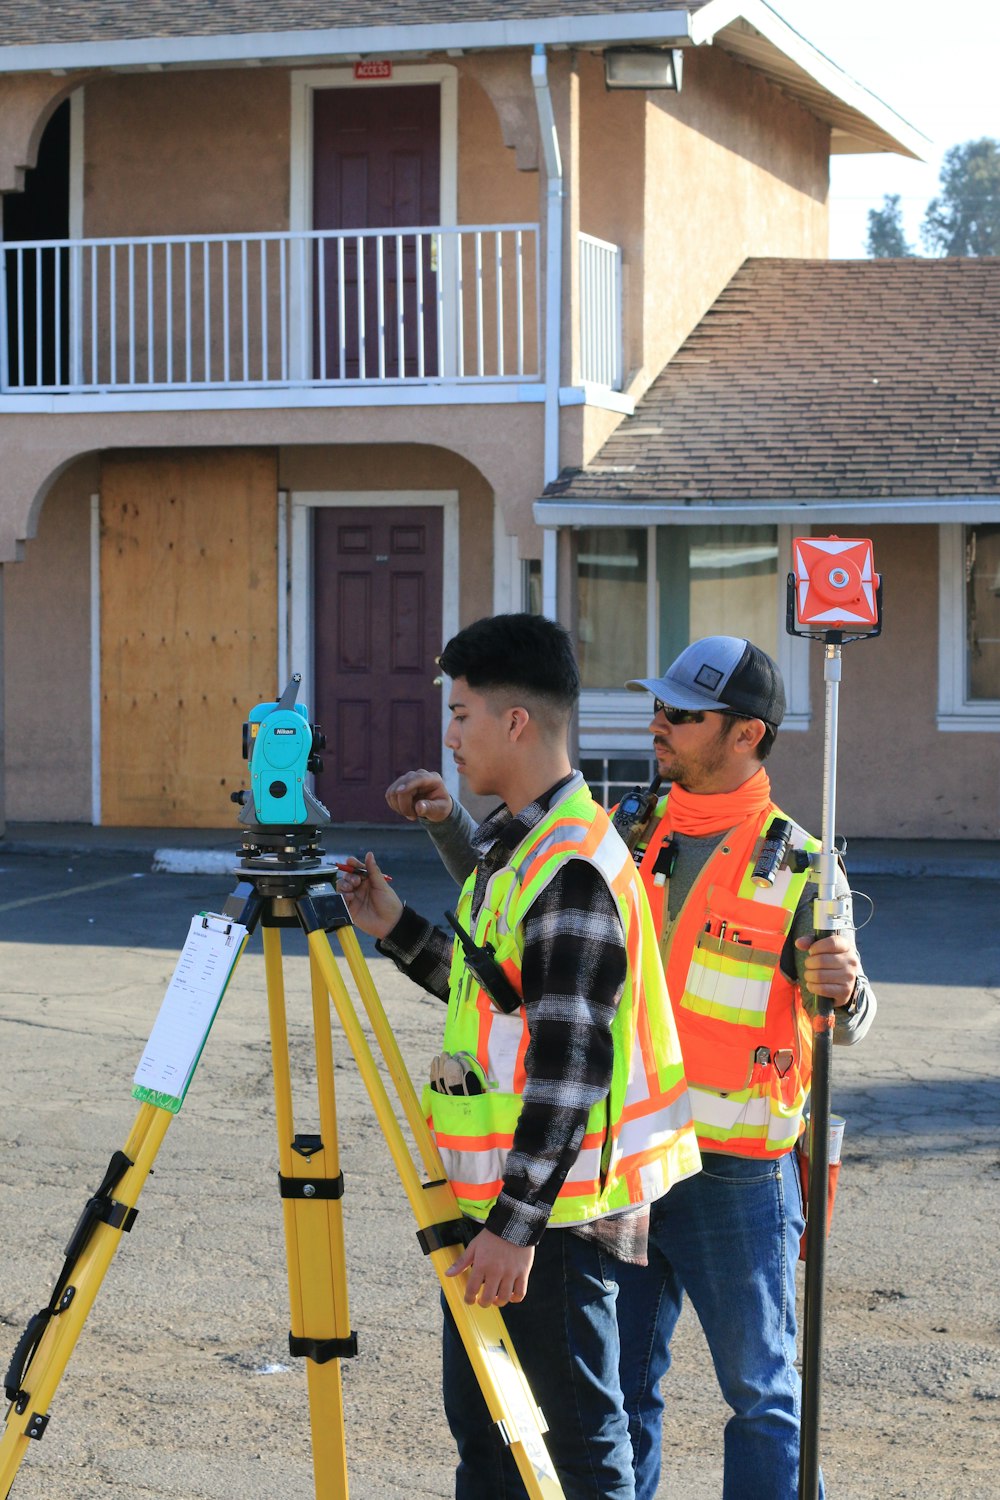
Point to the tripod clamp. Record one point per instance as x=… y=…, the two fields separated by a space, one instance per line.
x=448 y=1232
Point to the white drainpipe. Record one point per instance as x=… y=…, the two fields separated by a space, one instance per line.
x=553 y=308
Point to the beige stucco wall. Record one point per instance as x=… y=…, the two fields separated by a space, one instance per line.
x=611 y=197
x=410 y=467
x=186 y=153
x=733 y=168
x=47 y=660
x=503 y=442
x=199 y=152
x=688 y=185
x=900 y=777
x=47 y=595
x=491 y=189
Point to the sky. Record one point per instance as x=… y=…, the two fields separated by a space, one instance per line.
x=936 y=63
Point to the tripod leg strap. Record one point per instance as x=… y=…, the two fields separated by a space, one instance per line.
x=451 y=1232
x=21 y=1358
x=100 y=1209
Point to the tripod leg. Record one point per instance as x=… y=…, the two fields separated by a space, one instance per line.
x=28 y=1414
x=389 y=1047
x=441 y=1227
x=311 y=1188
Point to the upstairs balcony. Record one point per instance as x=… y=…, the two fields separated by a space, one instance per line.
x=317 y=318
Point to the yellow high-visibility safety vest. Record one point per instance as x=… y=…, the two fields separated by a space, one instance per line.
x=639 y=1139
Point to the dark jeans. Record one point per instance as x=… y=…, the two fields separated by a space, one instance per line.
x=729 y=1238
x=565 y=1333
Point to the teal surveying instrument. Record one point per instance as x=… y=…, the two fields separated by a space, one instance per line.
x=282 y=748
x=834 y=596
x=282 y=882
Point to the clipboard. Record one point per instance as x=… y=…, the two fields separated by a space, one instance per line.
x=190 y=1005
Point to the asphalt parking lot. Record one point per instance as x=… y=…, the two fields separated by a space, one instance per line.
x=181 y=1385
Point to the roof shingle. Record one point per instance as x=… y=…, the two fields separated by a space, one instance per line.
x=31 y=22
x=820 y=379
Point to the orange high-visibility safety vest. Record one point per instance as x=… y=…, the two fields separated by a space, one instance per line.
x=745 y=1034
x=639 y=1139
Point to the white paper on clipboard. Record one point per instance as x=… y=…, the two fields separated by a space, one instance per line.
x=189 y=1007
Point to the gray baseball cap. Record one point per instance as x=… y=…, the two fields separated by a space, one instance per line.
x=721 y=672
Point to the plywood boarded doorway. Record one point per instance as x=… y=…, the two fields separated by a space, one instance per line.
x=189 y=618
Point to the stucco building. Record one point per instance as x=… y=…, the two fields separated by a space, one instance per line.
x=303 y=317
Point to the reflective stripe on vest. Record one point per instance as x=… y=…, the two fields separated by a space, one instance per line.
x=639 y=1139
x=744 y=1032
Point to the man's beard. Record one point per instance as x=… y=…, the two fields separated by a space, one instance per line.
x=691 y=772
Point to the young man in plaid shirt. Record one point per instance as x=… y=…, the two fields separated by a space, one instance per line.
x=591 y=1127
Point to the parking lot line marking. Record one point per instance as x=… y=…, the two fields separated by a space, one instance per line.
x=72 y=890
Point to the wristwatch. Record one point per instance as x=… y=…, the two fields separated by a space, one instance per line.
x=857 y=995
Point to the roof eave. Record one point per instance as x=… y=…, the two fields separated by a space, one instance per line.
x=347 y=41
x=897 y=510
x=861 y=121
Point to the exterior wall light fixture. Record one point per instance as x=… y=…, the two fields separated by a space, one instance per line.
x=643 y=68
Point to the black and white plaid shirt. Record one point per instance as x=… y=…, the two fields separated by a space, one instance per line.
x=573 y=972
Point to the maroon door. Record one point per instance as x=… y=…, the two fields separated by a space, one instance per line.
x=376 y=165
x=377 y=592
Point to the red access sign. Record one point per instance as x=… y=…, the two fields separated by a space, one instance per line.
x=372 y=68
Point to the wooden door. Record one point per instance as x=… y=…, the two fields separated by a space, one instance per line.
x=376 y=165
x=189 y=618
x=377 y=587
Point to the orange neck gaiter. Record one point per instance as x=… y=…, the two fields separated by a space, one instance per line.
x=715 y=812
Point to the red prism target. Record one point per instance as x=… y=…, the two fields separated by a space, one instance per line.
x=836 y=586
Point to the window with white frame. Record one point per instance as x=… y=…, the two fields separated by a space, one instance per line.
x=611 y=776
x=612 y=584
x=644 y=593
x=969 y=649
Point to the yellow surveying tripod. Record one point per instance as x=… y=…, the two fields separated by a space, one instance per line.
x=287 y=886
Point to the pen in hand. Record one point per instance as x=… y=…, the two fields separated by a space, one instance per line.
x=361 y=872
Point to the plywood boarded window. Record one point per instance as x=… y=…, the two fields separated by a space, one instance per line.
x=188 y=630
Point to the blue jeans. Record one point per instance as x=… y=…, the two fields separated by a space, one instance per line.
x=566 y=1336
x=729 y=1238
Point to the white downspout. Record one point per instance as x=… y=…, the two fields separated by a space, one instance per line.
x=553 y=308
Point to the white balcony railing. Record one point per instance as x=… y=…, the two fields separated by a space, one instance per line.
x=600 y=312
x=242 y=311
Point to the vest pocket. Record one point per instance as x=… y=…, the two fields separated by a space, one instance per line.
x=473 y=1134
x=735 y=957
x=717 y=1059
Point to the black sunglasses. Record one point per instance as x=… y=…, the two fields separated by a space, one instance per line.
x=687 y=715
x=677 y=715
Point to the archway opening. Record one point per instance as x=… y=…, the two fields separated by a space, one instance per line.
x=38 y=278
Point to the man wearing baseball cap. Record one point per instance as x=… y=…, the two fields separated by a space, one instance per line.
x=743 y=968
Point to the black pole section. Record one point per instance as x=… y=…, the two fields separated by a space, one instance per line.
x=828 y=918
x=816 y=1228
